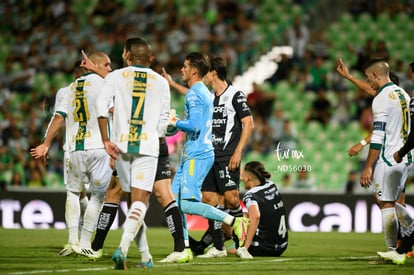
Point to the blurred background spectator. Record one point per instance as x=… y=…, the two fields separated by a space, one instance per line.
x=41 y=39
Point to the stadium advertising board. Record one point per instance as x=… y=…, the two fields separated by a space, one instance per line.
x=306 y=212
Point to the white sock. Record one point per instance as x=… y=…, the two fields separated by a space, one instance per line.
x=142 y=243
x=83 y=204
x=135 y=218
x=91 y=218
x=72 y=214
x=404 y=218
x=390 y=227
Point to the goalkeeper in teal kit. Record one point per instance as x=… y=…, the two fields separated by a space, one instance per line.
x=198 y=155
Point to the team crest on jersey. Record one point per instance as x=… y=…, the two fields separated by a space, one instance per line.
x=392 y=95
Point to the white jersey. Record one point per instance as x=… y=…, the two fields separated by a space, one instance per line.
x=141 y=99
x=391 y=122
x=78 y=108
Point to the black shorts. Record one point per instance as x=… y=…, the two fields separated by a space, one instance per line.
x=219 y=179
x=163 y=167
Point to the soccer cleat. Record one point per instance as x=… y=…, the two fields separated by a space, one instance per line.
x=148 y=264
x=243 y=253
x=189 y=253
x=66 y=251
x=196 y=246
x=240 y=229
x=394 y=256
x=88 y=252
x=178 y=257
x=214 y=253
x=410 y=254
x=120 y=259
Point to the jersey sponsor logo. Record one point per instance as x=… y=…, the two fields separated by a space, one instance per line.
x=219 y=121
x=130 y=74
x=81 y=135
x=221 y=110
x=217 y=140
x=133 y=135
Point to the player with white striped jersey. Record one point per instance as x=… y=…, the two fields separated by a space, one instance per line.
x=88 y=162
x=83 y=199
x=391 y=122
x=391 y=128
x=140 y=117
x=141 y=107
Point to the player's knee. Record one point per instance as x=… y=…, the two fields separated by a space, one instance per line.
x=232 y=199
x=210 y=198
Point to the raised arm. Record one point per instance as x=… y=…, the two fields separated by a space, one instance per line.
x=180 y=88
x=342 y=69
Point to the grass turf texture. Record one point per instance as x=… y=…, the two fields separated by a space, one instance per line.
x=35 y=252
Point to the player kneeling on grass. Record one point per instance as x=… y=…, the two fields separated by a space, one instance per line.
x=267 y=233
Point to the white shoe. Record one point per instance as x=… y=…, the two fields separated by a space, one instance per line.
x=243 y=253
x=394 y=256
x=88 y=252
x=177 y=257
x=214 y=253
x=66 y=251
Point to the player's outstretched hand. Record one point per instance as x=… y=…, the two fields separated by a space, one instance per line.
x=354 y=150
x=39 y=151
x=112 y=150
x=397 y=157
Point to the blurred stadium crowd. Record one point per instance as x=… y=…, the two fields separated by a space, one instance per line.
x=303 y=106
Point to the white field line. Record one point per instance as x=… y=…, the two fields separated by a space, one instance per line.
x=214 y=262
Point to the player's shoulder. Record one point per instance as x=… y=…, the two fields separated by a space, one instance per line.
x=65 y=89
x=234 y=91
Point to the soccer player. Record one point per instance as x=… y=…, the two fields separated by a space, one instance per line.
x=403 y=216
x=141 y=100
x=162 y=191
x=391 y=120
x=198 y=155
x=88 y=161
x=232 y=126
x=83 y=199
x=267 y=233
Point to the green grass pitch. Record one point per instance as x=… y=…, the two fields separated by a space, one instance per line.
x=35 y=252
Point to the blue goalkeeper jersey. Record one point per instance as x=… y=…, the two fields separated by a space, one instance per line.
x=198 y=114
